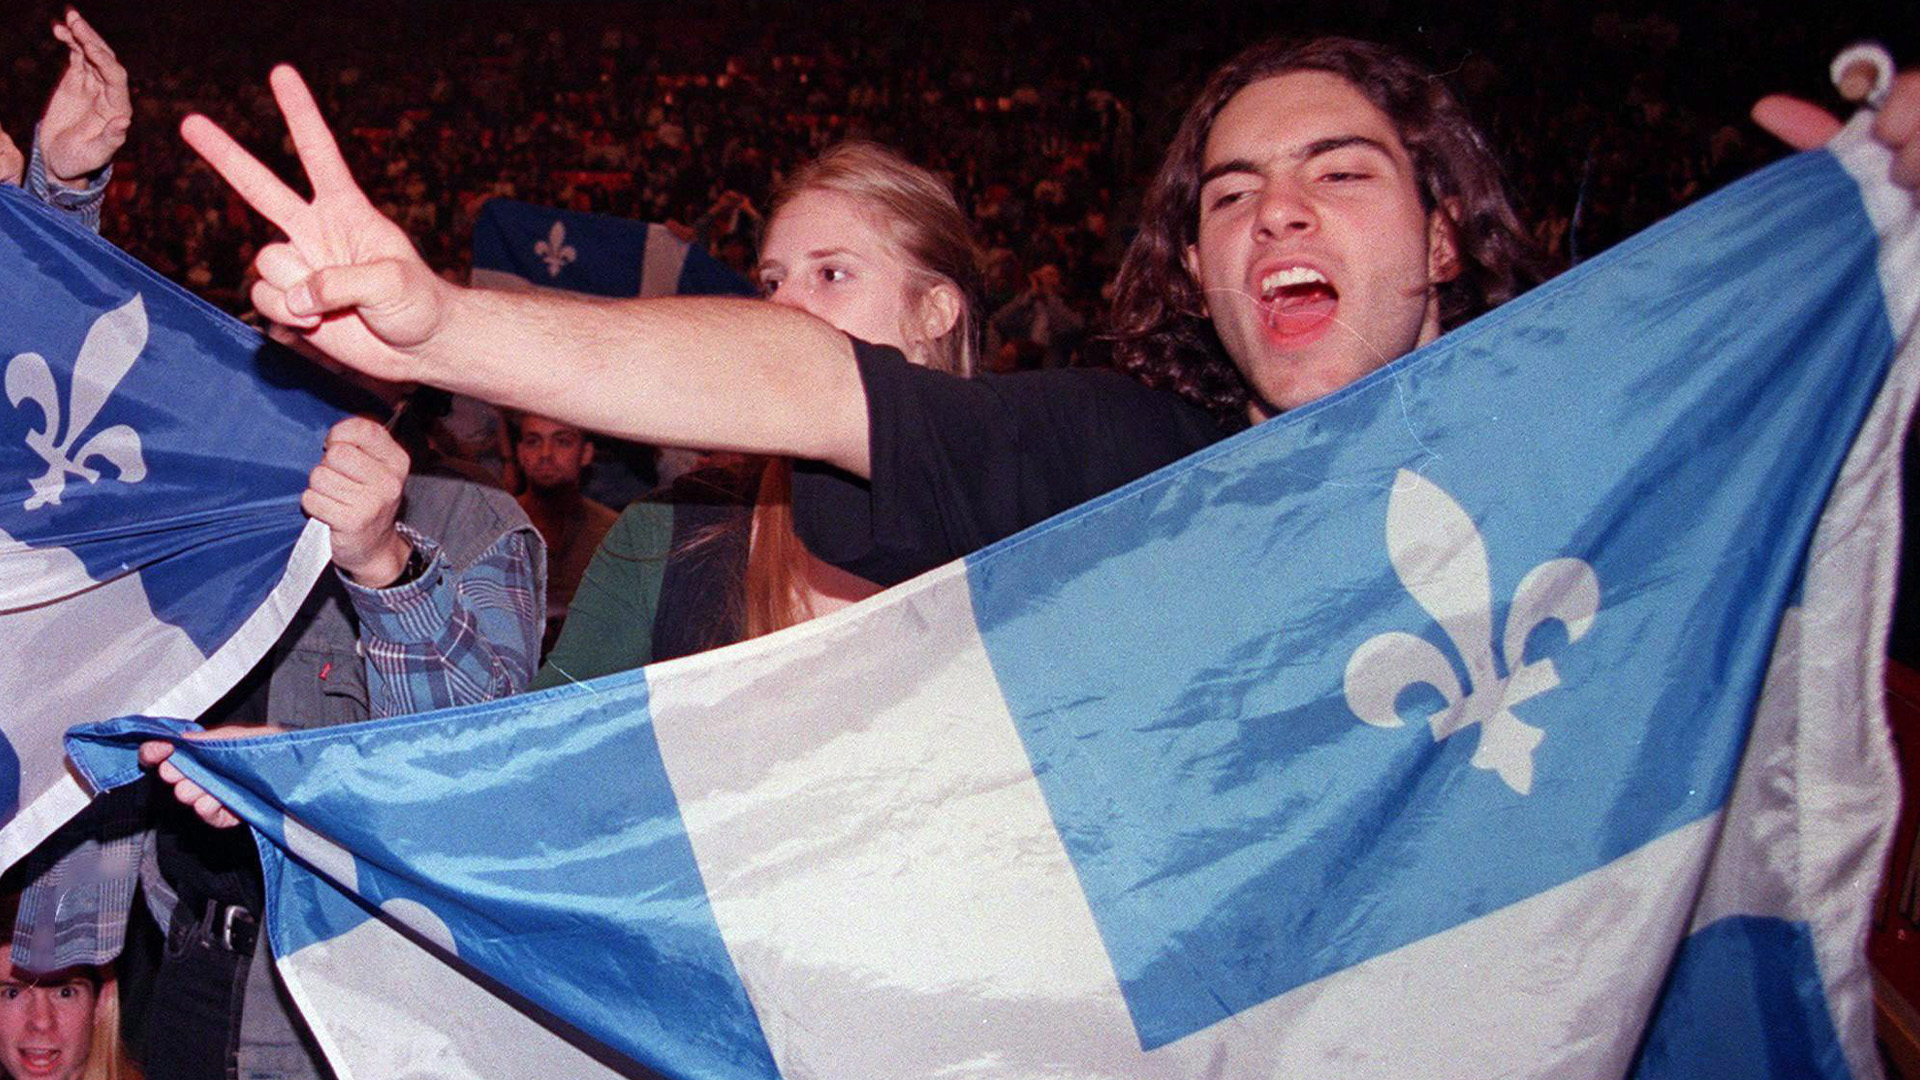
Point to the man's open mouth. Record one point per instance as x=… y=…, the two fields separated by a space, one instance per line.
x=1297 y=299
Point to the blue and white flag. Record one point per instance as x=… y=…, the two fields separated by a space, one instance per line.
x=1512 y=712
x=520 y=246
x=151 y=463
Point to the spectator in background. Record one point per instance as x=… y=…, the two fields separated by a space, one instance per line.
x=1042 y=317
x=58 y=1025
x=552 y=457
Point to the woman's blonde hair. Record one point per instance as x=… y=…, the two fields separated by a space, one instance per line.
x=917 y=209
x=107 y=1060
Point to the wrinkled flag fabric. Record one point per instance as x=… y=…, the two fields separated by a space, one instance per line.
x=1513 y=711
x=520 y=245
x=152 y=456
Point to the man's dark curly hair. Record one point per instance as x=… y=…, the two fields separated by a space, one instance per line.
x=1159 y=331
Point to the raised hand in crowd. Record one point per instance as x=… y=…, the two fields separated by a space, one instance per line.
x=342 y=258
x=13 y=164
x=1803 y=125
x=701 y=372
x=87 y=118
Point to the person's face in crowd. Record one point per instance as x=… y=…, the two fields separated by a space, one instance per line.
x=1317 y=260
x=46 y=1021
x=826 y=256
x=552 y=454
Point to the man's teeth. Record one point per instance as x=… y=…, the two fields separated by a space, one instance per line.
x=1292 y=275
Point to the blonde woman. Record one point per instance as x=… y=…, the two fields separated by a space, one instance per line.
x=876 y=247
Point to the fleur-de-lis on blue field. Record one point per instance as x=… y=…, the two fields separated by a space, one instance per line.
x=1440 y=557
x=555 y=250
x=113 y=343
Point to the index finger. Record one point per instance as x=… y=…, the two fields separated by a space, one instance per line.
x=100 y=56
x=319 y=154
x=255 y=182
x=91 y=43
x=1800 y=124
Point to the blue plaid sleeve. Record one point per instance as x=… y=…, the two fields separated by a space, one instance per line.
x=83 y=203
x=451 y=637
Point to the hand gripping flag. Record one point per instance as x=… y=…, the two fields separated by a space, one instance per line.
x=1513 y=711
x=151 y=463
x=519 y=246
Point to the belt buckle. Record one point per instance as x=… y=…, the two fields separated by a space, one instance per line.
x=229 y=914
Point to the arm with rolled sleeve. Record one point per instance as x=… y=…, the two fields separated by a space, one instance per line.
x=452 y=637
x=82 y=202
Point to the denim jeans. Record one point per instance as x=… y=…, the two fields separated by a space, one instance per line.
x=193 y=1016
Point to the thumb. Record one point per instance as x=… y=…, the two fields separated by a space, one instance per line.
x=1800 y=124
x=399 y=301
x=379 y=284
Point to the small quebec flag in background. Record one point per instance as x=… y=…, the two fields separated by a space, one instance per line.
x=518 y=245
x=1512 y=712
x=152 y=458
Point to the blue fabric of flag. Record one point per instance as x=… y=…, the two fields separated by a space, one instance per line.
x=200 y=522
x=1648 y=428
x=1451 y=644
x=153 y=452
x=634 y=963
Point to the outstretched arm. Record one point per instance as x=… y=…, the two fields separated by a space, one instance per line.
x=702 y=372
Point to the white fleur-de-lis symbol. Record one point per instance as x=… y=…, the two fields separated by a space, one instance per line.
x=555 y=250
x=1442 y=560
x=113 y=343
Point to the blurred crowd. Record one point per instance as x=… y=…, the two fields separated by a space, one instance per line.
x=1044 y=117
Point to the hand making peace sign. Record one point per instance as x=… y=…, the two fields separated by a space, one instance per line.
x=346 y=277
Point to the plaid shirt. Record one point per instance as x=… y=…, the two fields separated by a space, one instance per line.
x=441 y=639
x=82 y=202
x=444 y=639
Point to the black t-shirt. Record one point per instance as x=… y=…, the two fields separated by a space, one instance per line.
x=960 y=463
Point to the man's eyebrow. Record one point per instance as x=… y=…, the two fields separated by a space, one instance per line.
x=1234 y=165
x=1339 y=142
x=1306 y=153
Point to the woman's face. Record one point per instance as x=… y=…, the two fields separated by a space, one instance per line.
x=830 y=260
x=46 y=1021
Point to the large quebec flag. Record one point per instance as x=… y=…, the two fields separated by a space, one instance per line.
x=151 y=540
x=519 y=246
x=1512 y=712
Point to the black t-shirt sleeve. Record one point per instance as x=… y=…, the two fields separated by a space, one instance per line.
x=960 y=463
